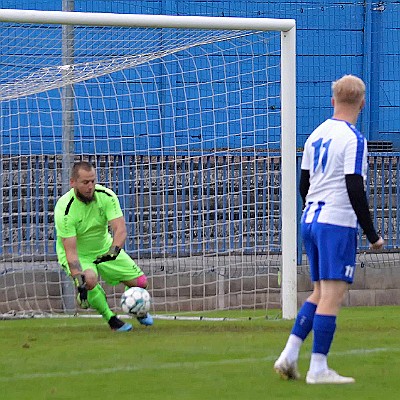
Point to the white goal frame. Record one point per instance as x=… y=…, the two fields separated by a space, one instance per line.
x=287 y=27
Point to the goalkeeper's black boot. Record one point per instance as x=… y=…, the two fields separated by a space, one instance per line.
x=117 y=325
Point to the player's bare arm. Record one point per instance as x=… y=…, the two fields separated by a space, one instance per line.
x=118 y=229
x=72 y=255
x=75 y=268
x=86 y=278
x=119 y=234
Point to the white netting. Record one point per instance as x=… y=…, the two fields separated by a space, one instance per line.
x=183 y=124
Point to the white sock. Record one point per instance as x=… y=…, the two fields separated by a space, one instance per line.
x=292 y=348
x=318 y=363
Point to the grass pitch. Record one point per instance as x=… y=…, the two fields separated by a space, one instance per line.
x=182 y=360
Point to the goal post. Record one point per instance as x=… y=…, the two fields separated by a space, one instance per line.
x=146 y=21
x=289 y=181
x=190 y=119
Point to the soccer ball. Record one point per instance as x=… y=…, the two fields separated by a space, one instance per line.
x=136 y=301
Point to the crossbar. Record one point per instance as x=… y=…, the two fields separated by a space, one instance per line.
x=145 y=21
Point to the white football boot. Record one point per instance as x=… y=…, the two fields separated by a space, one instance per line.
x=287 y=370
x=327 y=376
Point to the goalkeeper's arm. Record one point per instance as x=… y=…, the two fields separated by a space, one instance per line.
x=118 y=228
x=75 y=269
x=87 y=278
x=119 y=233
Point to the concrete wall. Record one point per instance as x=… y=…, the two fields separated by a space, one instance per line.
x=372 y=286
x=38 y=288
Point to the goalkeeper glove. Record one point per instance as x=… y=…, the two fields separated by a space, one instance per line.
x=80 y=284
x=111 y=255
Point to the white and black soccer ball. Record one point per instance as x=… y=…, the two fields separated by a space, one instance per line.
x=136 y=301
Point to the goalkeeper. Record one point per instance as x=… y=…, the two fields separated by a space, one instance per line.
x=86 y=249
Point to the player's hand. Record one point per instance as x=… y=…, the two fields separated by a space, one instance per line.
x=111 y=255
x=80 y=283
x=378 y=244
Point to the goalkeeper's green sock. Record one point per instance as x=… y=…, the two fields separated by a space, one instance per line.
x=97 y=300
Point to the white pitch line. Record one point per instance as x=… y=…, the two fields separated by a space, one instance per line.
x=183 y=365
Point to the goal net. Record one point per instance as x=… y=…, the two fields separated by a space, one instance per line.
x=190 y=120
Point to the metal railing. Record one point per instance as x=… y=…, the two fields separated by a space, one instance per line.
x=178 y=206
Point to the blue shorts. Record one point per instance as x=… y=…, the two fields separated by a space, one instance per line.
x=331 y=251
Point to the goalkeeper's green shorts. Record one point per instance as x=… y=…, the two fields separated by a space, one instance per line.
x=122 y=269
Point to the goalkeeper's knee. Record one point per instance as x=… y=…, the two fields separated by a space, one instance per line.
x=141 y=281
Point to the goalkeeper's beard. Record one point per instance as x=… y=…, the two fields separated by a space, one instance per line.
x=83 y=198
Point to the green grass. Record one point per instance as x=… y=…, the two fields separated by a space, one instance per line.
x=82 y=359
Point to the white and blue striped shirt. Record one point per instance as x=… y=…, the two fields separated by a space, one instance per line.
x=335 y=149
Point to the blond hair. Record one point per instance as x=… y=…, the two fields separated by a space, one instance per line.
x=348 y=89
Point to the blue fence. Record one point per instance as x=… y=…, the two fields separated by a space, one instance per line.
x=333 y=38
x=178 y=206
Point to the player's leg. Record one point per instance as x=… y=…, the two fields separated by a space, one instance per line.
x=332 y=292
x=337 y=252
x=286 y=364
x=91 y=294
x=124 y=270
x=140 y=281
x=98 y=300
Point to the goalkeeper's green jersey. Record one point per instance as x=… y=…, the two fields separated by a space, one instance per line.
x=87 y=221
